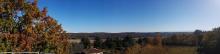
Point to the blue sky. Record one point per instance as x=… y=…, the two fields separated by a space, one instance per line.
x=134 y=15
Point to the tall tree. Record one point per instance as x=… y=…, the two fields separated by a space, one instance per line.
x=140 y=41
x=25 y=27
x=144 y=41
x=118 y=41
x=109 y=43
x=86 y=42
x=128 y=41
x=199 y=35
x=211 y=42
x=98 y=42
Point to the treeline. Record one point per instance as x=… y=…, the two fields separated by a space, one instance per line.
x=180 y=40
x=209 y=42
x=175 y=39
x=109 y=43
x=121 y=45
x=205 y=41
x=125 y=34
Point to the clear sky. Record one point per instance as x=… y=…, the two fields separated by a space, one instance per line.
x=134 y=15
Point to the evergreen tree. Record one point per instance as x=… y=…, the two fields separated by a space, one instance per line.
x=210 y=43
x=97 y=42
x=109 y=43
x=86 y=42
x=140 y=41
x=118 y=42
x=143 y=41
x=128 y=41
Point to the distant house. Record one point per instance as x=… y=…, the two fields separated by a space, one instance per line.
x=93 y=51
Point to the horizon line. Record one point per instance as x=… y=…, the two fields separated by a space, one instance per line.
x=124 y=32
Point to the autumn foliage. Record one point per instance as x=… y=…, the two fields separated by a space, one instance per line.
x=24 y=27
x=152 y=46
